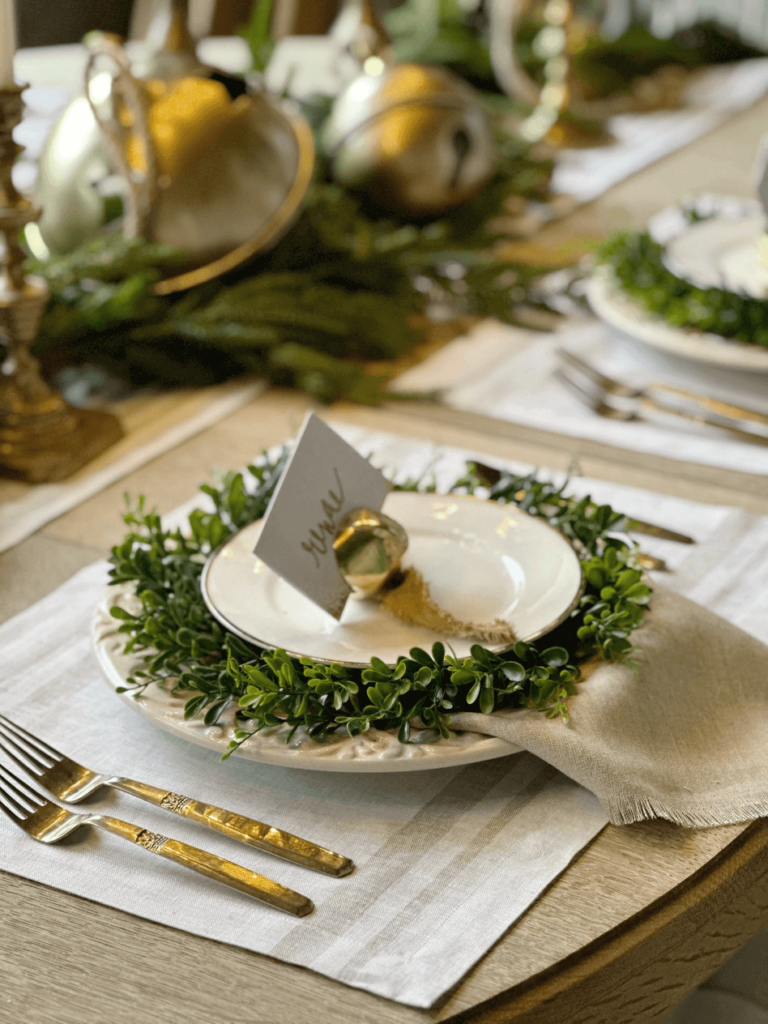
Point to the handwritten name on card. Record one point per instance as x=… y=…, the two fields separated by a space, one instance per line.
x=325 y=478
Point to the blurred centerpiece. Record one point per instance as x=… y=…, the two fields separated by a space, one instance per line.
x=208 y=164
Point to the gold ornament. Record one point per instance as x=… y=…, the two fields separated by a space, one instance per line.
x=413 y=137
x=369 y=547
x=209 y=165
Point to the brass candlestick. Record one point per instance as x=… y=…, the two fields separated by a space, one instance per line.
x=42 y=438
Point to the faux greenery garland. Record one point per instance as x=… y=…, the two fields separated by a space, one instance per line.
x=636 y=261
x=184 y=648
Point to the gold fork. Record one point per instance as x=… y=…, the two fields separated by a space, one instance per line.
x=614 y=387
x=48 y=823
x=71 y=782
x=601 y=401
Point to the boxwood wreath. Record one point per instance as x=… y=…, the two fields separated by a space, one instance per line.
x=636 y=262
x=184 y=649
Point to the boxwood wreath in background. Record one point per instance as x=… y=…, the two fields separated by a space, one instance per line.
x=185 y=649
x=636 y=262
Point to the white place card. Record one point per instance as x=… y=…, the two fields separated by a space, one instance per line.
x=325 y=478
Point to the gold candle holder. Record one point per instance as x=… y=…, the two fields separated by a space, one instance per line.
x=42 y=437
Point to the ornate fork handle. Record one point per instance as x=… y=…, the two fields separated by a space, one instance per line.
x=224 y=871
x=245 y=830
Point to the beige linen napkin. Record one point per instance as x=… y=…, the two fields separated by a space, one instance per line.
x=685 y=738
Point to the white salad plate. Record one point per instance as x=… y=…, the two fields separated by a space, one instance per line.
x=722 y=252
x=482 y=560
x=612 y=304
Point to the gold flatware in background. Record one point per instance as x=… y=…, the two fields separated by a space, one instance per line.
x=646 y=561
x=69 y=781
x=614 y=387
x=493 y=475
x=629 y=410
x=48 y=823
x=650 y=530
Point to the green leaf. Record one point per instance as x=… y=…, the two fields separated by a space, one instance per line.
x=555 y=656
x=421 y=657
x=120 y=613
x=628 y=579
x=514 y=671
x=639 y=593
x=463 y=676
x=424 y=676
x=193 y=705
x=257 y=678
x=487 y=696
x=596 y=577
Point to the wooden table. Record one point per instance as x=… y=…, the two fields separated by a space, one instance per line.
x=646 y=912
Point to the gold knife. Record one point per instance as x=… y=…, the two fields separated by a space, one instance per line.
x=493 y=475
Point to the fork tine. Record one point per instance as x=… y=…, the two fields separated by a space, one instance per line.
x=9 y=805
x=26 y=761
x=18 y=793
x=574 y=360
x=581 y=391
x=588 y=370
x=33 y=741
x=22 y=788
x=11 y=808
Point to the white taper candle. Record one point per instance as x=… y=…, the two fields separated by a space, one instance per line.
x=7 y=42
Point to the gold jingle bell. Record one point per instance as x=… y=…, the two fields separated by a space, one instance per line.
x=413 y=137
x=209 y=165
x=368 y=549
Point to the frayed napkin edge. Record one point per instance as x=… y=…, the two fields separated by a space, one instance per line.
x=629 y=808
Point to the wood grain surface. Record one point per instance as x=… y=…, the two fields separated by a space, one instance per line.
x=643 y=915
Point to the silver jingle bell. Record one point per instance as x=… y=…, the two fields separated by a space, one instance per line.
x=413 y=137
x=368 y=549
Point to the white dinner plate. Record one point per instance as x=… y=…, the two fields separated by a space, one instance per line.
x=483 y=561
x=507 y=563
x=615 y=307
x=377 y=750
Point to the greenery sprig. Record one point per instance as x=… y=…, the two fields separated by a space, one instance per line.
x=637 y=264
x=185 y=649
